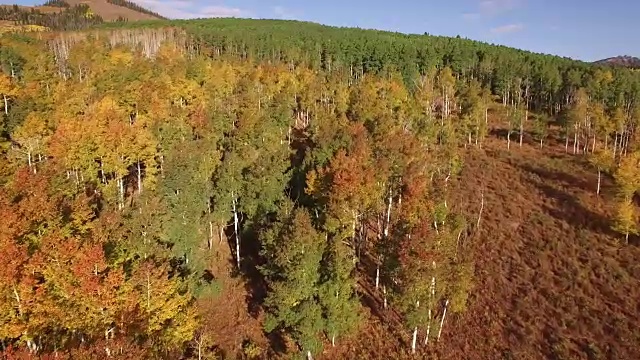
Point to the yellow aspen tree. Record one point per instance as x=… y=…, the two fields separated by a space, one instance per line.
x=628 y=180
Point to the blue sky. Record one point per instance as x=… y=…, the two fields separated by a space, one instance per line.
x=582 y=29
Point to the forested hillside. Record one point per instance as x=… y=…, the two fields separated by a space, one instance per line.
x=264 y=189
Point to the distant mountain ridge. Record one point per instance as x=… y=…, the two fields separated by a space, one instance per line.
x=625 y=61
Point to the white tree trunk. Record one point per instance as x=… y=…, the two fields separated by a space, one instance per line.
x=17 y=296
x=386 y=226
x=477 y=133
x=353 y=227
x=446 y=106
x=236 y=226
x=30 y=162
x=210 y=240
x=415 y=339
x=521 y=131
x=426 y=338
x=139 y=178
x=442 y=321
x=309 y=357
x=121 y=190
x=432 y=296
x=354 y=237
x=377 y=276
x=599 y=181
x=481 y=208
x=384 y=295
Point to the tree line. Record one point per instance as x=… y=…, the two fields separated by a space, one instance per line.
x=68 y=18
x=136 y=7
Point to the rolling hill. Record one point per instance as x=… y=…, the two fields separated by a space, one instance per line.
x=108 y=10
x=111 y=10
x=624 y=61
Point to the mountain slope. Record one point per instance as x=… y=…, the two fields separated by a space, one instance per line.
x=625 y=61
x=108 y=10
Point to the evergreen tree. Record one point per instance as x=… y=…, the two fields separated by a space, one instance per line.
x=294 y=252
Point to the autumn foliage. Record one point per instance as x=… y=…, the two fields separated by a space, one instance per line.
x=138 y=175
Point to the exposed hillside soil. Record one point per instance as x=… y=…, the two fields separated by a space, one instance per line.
x=108 y=11
x=111 y=12
x=552 y=280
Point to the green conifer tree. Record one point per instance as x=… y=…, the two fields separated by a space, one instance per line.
x=293 y=250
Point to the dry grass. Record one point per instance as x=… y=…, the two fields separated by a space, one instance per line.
x=554 y=281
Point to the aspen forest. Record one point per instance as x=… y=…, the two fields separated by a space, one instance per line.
x=262 y=189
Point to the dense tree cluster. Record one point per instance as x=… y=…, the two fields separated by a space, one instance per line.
x=544 y=82
x=68 y=18
x=57 y=3
x=135 y=7
x=322 y=156
x=151 y=161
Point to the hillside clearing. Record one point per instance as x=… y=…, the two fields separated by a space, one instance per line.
x=551 y=278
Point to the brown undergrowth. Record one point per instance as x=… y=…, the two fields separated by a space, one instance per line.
x=228 y=328
x=552 y=280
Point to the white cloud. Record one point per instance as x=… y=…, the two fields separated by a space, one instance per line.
x=472 y=16
x=506 y=29
x=190 y=9
x=281 y=12
x=489 y=8
x=222 y=11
